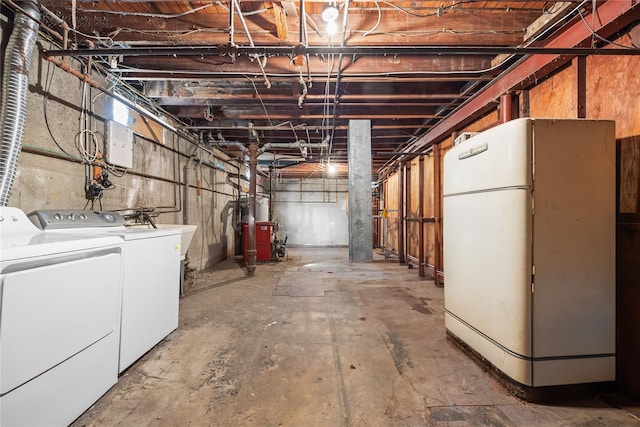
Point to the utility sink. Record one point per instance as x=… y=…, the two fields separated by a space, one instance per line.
x=187 y=230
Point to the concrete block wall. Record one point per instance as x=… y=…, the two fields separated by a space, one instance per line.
x=51 y=172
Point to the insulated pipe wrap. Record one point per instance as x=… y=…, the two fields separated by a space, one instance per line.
x=15 y=83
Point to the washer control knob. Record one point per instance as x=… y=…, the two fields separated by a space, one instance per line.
x=71 y=217
x=83 y=217
x=107 y=217
x=57 y=217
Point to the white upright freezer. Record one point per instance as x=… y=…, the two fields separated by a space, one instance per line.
x=529 y=249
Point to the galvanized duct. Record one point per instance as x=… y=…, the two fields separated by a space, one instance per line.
x=15 y=82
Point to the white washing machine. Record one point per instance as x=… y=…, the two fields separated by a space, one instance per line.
x=60 y=298
x=151 y=265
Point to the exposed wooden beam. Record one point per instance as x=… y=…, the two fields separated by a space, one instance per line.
x=236 y=115
x=395 y=29
x=211 y=79
x=360 y=66
x=280 y=19
x=547 y=20
x=234 y=93
x=223 y=124
x=611 y=16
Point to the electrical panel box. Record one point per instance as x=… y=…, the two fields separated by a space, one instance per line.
x=119 y=144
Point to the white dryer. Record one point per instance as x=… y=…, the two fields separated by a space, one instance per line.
x=59 y=321
x=151 y=264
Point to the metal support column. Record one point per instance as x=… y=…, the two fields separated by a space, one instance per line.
x=406 y=217
x=251 y=251
x=421 y=234
x=401 y=234
x=505 y=108
x=437 y=212
x=360 y=206
x=581 y=80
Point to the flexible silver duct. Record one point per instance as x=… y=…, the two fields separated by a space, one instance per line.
x=15 y=81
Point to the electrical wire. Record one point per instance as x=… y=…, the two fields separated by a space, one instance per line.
x=119 y=172
x=109 y=41
x=107 y=74
x=377 y=23
x=88 y=147
x=466 y=10
x=598 y=36
x=417 y=137
x=167 y=33
x=439 y=12
x=88 y=154
x=327 y=91
x=266 y=113
x=45 y=101
x=149 y=15
x=173 y=34
x=449 y=8
x=446 y=9
x=124 y=89
x=407 y=34
x=295 y=134
x=280 y=75
x=305 y=91
x=554 y=7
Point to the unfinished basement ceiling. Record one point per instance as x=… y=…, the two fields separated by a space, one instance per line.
x=271 y=75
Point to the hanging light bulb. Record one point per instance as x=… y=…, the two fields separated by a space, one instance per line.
x=332 y=28
x=330 y=13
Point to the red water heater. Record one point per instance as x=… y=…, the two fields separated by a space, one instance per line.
x=263 y=240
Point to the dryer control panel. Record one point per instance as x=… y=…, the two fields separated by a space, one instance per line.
x=65 y=219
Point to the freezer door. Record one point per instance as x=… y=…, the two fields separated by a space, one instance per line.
x=497 y=158
x=487 y=261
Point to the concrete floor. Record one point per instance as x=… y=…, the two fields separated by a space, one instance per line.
x=317 y=341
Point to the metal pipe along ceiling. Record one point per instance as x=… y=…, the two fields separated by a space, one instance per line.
x=269 y=145
x=222 y=50
x=15 y=82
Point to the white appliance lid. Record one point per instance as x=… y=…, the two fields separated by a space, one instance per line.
x=20 y=239
x=32 y=245
x=124 y=232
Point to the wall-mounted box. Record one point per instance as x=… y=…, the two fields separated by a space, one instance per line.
x=118 y=144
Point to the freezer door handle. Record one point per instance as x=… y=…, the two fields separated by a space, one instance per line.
x=473 y=151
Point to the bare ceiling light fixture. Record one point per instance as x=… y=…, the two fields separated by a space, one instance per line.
x=329 y=15
x=331 y=168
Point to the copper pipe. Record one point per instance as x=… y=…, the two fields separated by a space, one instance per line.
x=65 y=35
x=63 y=65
